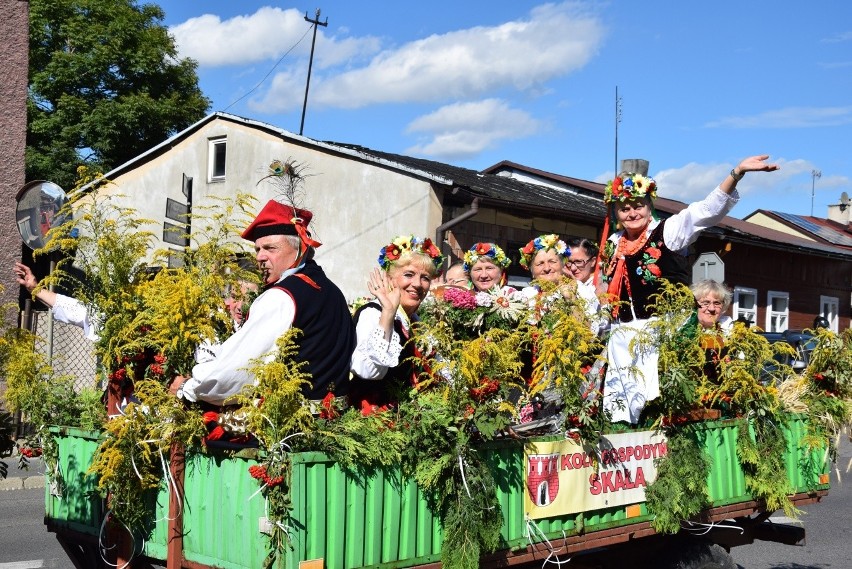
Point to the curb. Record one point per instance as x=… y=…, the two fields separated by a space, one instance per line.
x=22 y=483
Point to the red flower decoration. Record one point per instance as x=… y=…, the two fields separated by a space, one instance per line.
x=210 y=417
x=482 y=248
x=529 y=248
x=328 y=410
x=216 y=434
x=654 y=252
x=654 y=270
x=392 y=252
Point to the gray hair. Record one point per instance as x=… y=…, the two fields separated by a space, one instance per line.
x=296 y=243
x=709 y=286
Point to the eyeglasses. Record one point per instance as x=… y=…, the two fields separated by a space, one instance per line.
x=709 y=303
x=578 y=264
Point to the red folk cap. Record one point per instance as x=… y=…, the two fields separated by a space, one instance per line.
x=278 y=219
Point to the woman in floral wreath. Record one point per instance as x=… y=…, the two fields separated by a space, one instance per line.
x=544 y=257
x=633 y=262
x=382 y=367
x=485 y=264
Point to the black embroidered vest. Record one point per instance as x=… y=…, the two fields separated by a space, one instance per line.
x=328 y=333
x=645 y=268
x=397 y=380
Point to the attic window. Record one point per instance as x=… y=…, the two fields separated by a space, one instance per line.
x=216 y=151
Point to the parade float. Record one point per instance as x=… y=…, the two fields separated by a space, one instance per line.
x=501 y=455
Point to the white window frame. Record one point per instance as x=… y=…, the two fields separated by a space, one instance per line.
x=829 y=307
x=772 y=316
x=213 y=145
x=749 y=314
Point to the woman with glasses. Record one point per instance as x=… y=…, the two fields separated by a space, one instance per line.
x=713 y=299
x=580 y=266
x=635 y=260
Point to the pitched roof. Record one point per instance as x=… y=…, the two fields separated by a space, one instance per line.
x=823 y=230
x=499 y=189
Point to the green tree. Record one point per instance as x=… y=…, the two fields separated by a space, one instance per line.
x=105 y=84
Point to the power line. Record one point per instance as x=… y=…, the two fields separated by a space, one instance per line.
x=265 y=77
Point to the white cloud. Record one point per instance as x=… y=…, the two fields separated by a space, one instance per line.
x=462 y=130
x=694 y=181
x=791 y=117
x=835 y=64
x=838 y=38
x=265 y=35
x=522 y=54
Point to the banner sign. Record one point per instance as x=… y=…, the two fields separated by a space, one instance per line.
x=563 y=477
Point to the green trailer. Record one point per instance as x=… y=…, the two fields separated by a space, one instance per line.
x=343 y=520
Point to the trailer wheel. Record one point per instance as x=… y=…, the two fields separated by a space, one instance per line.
x=699 y=555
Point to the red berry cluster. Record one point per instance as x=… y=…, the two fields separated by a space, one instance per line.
x=30 y=452
x=486 y=387
x=258 y=472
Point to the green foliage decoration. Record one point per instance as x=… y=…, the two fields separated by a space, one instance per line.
x=824 y=389
x=103 y=248
x=681 y=359
x=449 y=468
x=182 y=307
x=680 y=489
x=130 y=461
x=761 y=447
x=566 y=351
x=44 y=398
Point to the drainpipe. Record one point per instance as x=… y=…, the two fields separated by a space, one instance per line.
x=474 y=209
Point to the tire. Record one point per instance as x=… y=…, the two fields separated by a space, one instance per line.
x=699 y=555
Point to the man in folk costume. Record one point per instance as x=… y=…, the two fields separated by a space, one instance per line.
x=296 y=294
x=633 y=262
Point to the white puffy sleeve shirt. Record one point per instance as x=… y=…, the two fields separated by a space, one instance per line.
x=214 y=381
x=682 y=228
x=72 y=311
x=374 y=355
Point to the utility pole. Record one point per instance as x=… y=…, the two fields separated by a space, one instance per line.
x=617 y=121
x=814 y=175
x=316 y=23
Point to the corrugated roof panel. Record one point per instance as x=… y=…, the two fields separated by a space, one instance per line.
x=821 y=231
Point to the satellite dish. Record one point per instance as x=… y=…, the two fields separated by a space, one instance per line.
x=40 y=208
x=844 y=198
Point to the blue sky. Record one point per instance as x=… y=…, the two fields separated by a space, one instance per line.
x=702 y=85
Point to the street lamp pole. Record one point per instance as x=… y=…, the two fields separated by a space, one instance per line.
x=814 y=175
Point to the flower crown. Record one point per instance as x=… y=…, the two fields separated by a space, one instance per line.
x=543 y=243
x=391 y=252
x=629 y=186
x=488 y=251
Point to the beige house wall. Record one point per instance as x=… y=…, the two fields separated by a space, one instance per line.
x=358 y=207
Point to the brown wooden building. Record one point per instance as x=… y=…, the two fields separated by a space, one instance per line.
x=780 y=281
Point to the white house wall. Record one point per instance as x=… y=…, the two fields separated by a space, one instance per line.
x=358 y=207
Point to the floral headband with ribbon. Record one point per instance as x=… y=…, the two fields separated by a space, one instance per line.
x=630 y=186
x=487 y=251
x=543 y=243
x=391 y=252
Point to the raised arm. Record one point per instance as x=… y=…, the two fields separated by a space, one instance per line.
x=26 y=279
x=750 y=164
